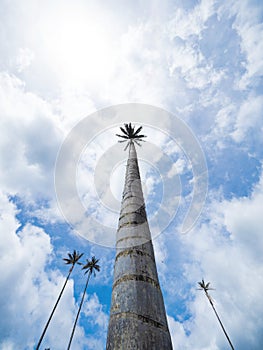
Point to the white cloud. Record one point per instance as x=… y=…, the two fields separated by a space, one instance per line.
x=252 y=46
x=94 y=310
x=224 y=122
x=187 y=55
x=249 y=118
x=179 y=339
x=227 y=251
x=239 y=122
x=30 y=290
x=248 y=26
x=55 y=75
x=191 y=22
x=243 y=218
x=72 y=105
x=186 y=58
x=177 y=168
x=29 y=142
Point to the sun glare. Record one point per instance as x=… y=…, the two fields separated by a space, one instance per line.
x=79 y=47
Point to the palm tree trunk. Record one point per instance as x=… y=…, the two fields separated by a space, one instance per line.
x=221 y=324
x=80 y=306
x=54 y=308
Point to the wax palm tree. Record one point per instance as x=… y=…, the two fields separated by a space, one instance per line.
x=130 y=135
x=91 y=267
x=206 y=287
x=72 y=260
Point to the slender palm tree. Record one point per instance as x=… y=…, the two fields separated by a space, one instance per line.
x=72 y=260
x=205 y=287
x=130 y=135
x=90 y=267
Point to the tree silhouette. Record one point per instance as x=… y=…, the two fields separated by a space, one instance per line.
x=72 y=259
x=205 y=287
x=130 y=135
x=90 y=267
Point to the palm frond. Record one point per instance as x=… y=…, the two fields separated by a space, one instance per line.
x=91 y=266
x=126 y=146
x=137 y=143
x=205 y=286
x=137 y=131
x=73 y=258
x=124 y=131
x=129 y=132
x=139 y=136
x=129 y=129
x=201 y=284
x=67 y=261
x=124 y=137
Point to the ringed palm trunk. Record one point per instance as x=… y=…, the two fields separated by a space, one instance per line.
x=54 y=308
x=80 y=306
x=137 y=317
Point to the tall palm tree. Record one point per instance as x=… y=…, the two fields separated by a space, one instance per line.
x=130 y=135
x=90 y=267
x=205 y=287
x=72 y=260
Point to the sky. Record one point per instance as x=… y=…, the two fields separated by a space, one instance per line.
x=71 y=73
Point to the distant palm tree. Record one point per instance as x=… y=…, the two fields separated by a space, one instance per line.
x=90 y=267
x=130 y=135
x=72 y=259
x=205 y=287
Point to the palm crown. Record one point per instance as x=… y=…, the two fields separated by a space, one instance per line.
x=91 y=266
x=131 y=134
x=73 y=258
x=204 y=286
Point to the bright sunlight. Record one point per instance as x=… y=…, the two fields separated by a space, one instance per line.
x=79 y=46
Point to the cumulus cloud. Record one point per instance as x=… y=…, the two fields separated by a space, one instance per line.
x=242 y=217
x=30 y=140
x=177 y=168
x=249 y=119
x=33 y=291
x=32 y=287
x=201 y=60
x=227 y=252
x=191 y=22
x=249 y=27
x=93 y=307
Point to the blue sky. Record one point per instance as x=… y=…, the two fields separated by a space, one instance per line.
x=201 y=61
